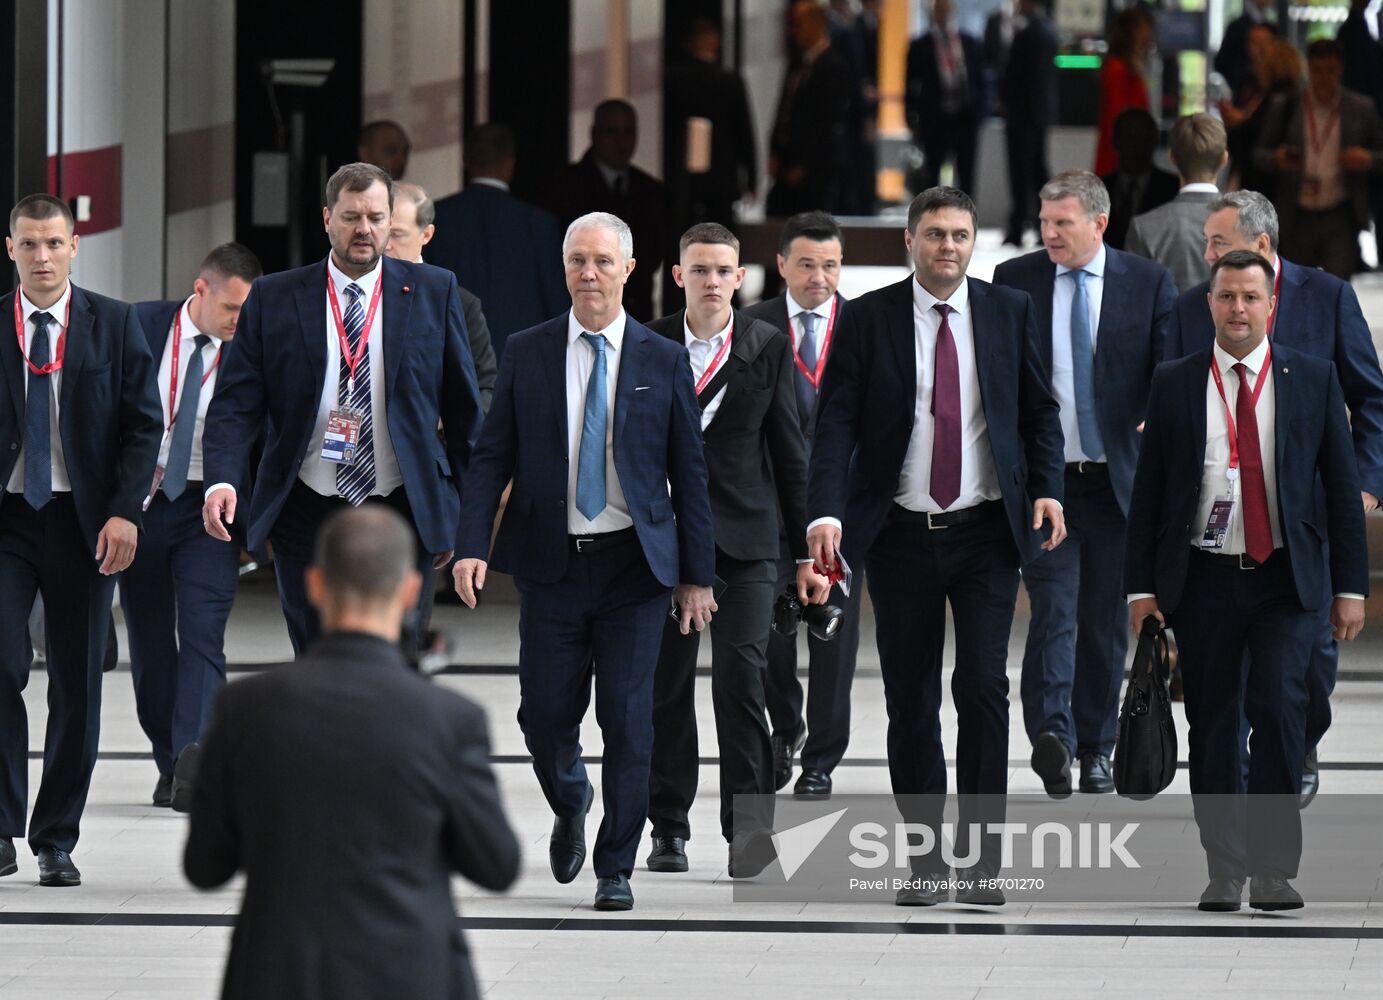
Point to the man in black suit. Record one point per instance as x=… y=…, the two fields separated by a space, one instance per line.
x=1247 y=471
x=606 y=180
x=937 y=459
x=756 y=461
x=351 y=364
x=595 y=422
x=81 y=424
x=947 y=97
x=810 y=251
x=177 y=594
x=1137 y=186
x=348 y=789
x=1027 y=91
x=1101 y=319
x=504 y=250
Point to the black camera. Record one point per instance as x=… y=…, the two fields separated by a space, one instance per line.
x=823 y=620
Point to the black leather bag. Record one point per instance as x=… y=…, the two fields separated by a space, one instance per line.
x=1145 y=756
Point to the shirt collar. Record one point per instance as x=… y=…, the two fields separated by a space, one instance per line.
x=609 y=173
x=796 y=309
x=493 y=182
x=1254 y=362
x=1199 y=187
x=925 y=300
x=614 y=333
x=58 y=310
x=341 y=279
x=1095 y=267
x=690 y=338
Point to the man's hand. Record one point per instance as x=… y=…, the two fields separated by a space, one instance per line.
x=812 y=587
x=1356 y=159
x=1370 y=501
x=1286 y=159
x=115 y=545
x=823 y=542
x=1347 y=615
x=697 y=604
x=469 y=578
x=440 y=559
x=219 y=507
x=1046 y=509
x=1140 y=609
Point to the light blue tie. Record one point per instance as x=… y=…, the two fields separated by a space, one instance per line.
x=1083 y=371
x=590 y=468
x=807 y=351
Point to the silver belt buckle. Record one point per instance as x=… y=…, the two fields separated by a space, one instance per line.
x=1246 y=562
x=935 y=527
x=579 y=543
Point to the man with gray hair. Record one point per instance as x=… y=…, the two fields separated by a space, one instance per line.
x=1319 y=314
x=385 y=777
x=1101 y=317
x=594 y=418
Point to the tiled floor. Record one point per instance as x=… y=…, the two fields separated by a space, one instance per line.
x=136 y=929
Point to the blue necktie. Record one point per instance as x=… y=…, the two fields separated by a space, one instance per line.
x=356 y=482
x=807 y=351
x=1083 y=371
x=38 y=446
x=180 y=450
x=590 y=468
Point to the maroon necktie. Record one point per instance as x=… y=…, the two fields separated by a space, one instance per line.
x=945 y=482
x=1258 y=533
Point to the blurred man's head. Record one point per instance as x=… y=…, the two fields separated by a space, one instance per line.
x=943 y=12
x=1199 y=148
x=1073 y=216
x=940 y=238
x=1241 y=301
x=490 y=152
x=1241 y=220
x=1325 y=66
x=222 y=286
x=385 y=144
x=363 y=576
x=598 y=255
x=808 y=24
x=703 y=40
x=1135 y=140
x=810 y=250
x=614 y=133
x=412 y=227
x=708 y=268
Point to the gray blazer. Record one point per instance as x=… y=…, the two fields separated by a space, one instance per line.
x=1174 y=235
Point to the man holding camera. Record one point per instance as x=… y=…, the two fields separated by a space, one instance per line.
x=756 y=463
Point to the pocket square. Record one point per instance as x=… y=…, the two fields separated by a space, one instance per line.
x=641 y=388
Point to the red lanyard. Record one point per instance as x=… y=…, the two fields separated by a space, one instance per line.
x=815 y=377
x=1277 y=301
x=353 y=360
x=173 y=368
x=1229 y=417
x=1318 y=144
x=716 y=361
x=56 y=363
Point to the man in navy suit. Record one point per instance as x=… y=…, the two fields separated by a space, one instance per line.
x=177 y=594
x=946 y=97
x=1246 y=473
x=1318 y=314
x=348 y=366
x=80 y=428
x=594 y=418
x=1101 y=318
x=504 y=250
x=936 y=461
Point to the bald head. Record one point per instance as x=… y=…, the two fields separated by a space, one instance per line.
x=363 y=575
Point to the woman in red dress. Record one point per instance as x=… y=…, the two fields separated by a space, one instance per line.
x=1121 y=80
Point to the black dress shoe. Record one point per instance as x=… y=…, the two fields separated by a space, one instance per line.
x=163 y=791
x=669 y=854
x=812 y=784
x=1222 y=895
x=981 y=891
x=613 y=893
x=185 y=777
x=1310 y=780
x=9 y=860
x=751 y=853
x=784 y=750
x=1096 y=776
x=1052 y=762
x=566 y=850
x=1271 y=892
x=55 y=868
x=925 y=890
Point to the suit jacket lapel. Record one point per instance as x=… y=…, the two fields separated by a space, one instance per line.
x=902 y=335
x=13 y=362
x=1195 y=406
x=75 y=351
x=983 y=321
x=1043 y=303
x=630 y=373
x=1284 y=400
x=554 y=370
x=395 y=323
x=743 y=348
x=312 y=325
x=1114 y=271
x=1286 y=324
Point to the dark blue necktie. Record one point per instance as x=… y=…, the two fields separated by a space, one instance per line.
x=180 y=450
x=356 y=482
x=38 y=445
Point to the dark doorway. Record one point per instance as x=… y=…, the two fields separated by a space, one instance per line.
x=24 y=107
x=530 y=87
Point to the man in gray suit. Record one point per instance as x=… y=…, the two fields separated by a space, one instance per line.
x=1171 y=234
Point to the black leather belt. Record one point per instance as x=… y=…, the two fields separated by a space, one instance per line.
x=587 y=544
x=1085 y=468
x=951 y=518
x=1240 y=561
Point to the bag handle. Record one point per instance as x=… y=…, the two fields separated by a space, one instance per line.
x=1152 y=629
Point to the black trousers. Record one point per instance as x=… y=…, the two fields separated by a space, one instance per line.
x=739 y=659
x=951 y=136
x=914 y=572
x=44 y=552
x=1026 y=145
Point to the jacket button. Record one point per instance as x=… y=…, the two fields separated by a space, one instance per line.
x=14 y=446
x=561 y=503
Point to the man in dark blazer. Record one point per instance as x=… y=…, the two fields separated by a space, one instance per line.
x=1319 y=314
x=349 y=415
x=1227 y=543
x=1232 y=60
x=937 y=459
x=1027 y=92
x=606 y=180
x=504 y=250
x=756 y=461
x=1138 y=185
x=810 y=250
x=594 y=422
x=177 y=594
x=1101 y=319
x=80 y=422
x=947 y=97
x=348 y=789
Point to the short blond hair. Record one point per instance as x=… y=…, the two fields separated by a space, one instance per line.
x=1198 y=144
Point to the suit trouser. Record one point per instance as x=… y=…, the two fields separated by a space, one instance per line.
x=294 y=536
x=1026 y=145
x=1223 y=613
x=1073 y=665
x=830 y=673
x=739 y=659
x=604 y=621
x=951 y=136
x=177 y=596
x=914 y=572
x=45 y=552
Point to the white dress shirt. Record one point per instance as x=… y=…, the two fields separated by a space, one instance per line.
x=210 y=370
x=703 y=352
x=58 y=312
x=1063 y=372
x=823 y=314
x=580 y=362
x=1323 y=179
